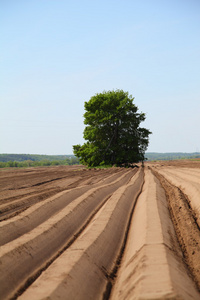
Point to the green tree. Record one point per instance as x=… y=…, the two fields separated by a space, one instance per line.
x=113 y=134
x=10 y=164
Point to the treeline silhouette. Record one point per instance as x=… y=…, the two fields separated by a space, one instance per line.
x=171 y=155
x=35 y=160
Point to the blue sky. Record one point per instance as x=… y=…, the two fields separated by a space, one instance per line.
x=55 y=55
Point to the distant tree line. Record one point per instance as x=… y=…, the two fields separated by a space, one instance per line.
x=33 y=157
x=16 y=160
x=171 y=156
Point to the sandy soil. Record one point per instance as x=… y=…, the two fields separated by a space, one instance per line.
x=73 y=233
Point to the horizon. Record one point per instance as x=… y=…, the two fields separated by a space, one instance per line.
x=176 y=152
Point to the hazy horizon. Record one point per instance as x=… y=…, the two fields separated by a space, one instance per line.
x=66 y=154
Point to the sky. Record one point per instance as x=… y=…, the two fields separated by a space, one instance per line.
x=56 y=54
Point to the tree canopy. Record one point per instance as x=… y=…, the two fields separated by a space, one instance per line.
x=112 y=133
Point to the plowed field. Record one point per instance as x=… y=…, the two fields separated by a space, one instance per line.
x=73 y=233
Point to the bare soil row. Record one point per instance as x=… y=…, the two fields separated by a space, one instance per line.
x=36 y=237
x=153 y=266
x=101 y=234
x=21 y=189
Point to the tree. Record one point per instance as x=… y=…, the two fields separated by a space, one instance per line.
x=112 y=134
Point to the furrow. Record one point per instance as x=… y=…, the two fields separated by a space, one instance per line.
x=9 y=210
x=24 y=257
x=190 y=185
x=40 y=212
x=13 y=205
x=152 y=266
x=186 y=227
x=84 y=269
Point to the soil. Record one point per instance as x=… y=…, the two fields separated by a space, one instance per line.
x=67 y=232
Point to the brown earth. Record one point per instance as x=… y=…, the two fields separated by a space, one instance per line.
x=74 y=233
